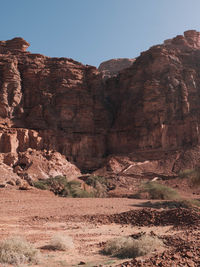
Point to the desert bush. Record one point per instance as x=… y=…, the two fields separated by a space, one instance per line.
x=41 y=184
x=127 y=247
x=17 y=251
x=78 y=192
x=192 y=174
x=59 y=185
x=94 y=180
x=191 y=203
x=185 y=173
x=100 y=184
x=159 y=191
x=101 y=190
x=173 y=204
x=61 y=242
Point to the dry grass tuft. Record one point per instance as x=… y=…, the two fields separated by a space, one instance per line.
x=17 y=250
x=61 y=242
x=127 y=247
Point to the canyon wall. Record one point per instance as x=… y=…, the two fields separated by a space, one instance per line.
x=155 y=102
x=60 y=105
x=53 y=104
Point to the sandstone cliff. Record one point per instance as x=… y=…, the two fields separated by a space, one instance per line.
x=58 y=105
x=157 y=100
x=53 y=104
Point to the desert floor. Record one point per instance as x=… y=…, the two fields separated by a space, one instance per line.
x=38 y=215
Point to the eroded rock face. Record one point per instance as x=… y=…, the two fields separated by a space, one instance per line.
x=60 y=105
x=34 y=164
x=16 y=44
x=54 y=104
x=156 y=106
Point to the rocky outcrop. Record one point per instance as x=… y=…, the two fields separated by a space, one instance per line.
x=35 y=164
x=16 y=44
x=112 y=67
x=58 y=105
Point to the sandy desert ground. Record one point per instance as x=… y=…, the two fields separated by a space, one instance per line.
x=38 y=215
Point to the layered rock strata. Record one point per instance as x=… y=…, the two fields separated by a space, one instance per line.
x=157 y=101
x=53 y=104
x=60 y=105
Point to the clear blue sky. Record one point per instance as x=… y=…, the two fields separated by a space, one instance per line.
x=91 y=31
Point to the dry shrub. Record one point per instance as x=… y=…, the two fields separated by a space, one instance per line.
x=17 y=250
x=127 y=247
x=61 y=242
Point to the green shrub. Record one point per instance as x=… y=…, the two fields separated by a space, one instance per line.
x=127 y=247
x=101 y=190
x=159 y=191
x=173 y=204
x=78 y=192
x=41 y=184
x=93 y=180
x=100 y=184
x=59 y=185
x=192 y=174
x=17 y=251
x=185 y=173
x=191 y=203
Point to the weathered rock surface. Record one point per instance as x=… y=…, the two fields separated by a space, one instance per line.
x=16 y=44
x=6 y=174
x=53 y=104
x=149 y=112
x=156 y=104
x=112 y=67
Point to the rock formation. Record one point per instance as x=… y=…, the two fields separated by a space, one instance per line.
x=51 y=103
x=156 y=104
x=58 y=105
x=112 y=67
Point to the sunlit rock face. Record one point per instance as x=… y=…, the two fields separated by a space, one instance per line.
x=60 y=105
x=56 y=102
x=156 y=101
x=16 y=44
x=112 y=67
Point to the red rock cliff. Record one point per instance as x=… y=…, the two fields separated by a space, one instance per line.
x=59 y=104
x=155 y=103
x=60 y=99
